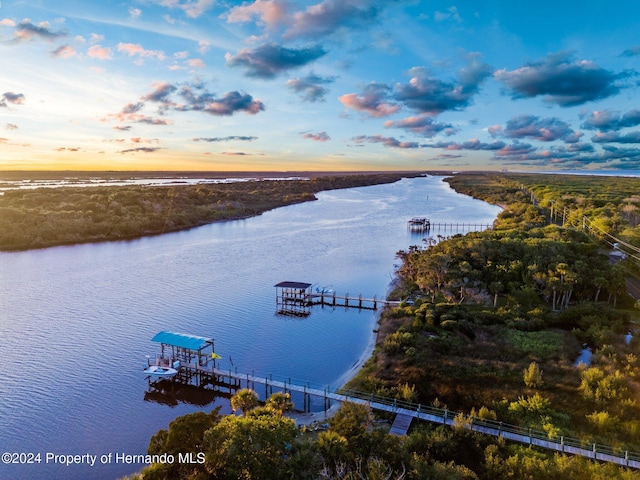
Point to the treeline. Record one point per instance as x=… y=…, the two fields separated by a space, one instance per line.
x=611 y=204
x=54 y=216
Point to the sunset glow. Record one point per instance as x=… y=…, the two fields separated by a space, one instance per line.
x=318 y=85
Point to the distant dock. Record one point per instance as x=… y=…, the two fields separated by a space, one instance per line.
x=423 y=224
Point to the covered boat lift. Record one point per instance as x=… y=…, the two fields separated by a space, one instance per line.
x=189 y=350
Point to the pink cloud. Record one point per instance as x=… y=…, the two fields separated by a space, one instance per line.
x=133 y=49
x=99 y=52
x=269 y=12
x=65 y=51
x=368 y=104
x=318 y=137
x=195 y=63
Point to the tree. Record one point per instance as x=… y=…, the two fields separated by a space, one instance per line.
x=249 y=447
x=280 y=402
x=244 y=400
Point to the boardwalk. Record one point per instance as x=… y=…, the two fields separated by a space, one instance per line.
x=436 y=415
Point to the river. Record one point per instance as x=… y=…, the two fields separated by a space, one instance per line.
x=76 y=321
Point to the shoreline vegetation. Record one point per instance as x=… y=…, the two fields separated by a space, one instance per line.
x=491 y=325
x=52 y=216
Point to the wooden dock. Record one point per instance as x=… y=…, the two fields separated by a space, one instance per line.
x=406 y=411
x=297 y=298
x=198 y=368
x=360 y=302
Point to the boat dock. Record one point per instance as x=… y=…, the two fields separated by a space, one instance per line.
x=423 y=224
x=202 y=372
x=297 y=298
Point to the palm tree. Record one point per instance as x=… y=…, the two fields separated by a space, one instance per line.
x=280 y=402
x=244 y=400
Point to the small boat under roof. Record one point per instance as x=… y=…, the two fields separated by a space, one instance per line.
x=160 y=372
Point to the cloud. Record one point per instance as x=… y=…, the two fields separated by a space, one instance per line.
x=135 y=49
x=269 y=13
x=141 y=149
x=161 y=93
x=386 y=141
x=64 y=51
x=130 y=113
x=271 y=59
x=318 y=137
x=11 y=126
x=27 y=31
x=134 y=12
x=432 y=96
x=631 y=51
x=191 y=8
x=422 y=125
x=329 y=16
x=616 y=137
x=450 y=14
x=606 y=120
x=7 y=22
x=203 y=46
x=13 y=98
x=199 y=99
x=472 y=144
x=122 y=128
x=100 y=52
x=192 y=97
x=225 y=139
x=374 y=100
x=561 y=81
x=310 y=88
x=515 y=149
x=195 y=63
x=542 y=129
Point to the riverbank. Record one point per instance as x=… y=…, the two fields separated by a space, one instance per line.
x=45 y=217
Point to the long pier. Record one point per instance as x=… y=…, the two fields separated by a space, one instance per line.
x=332 y=300
x=423 y=224
x=297 y=298
x=407 y=410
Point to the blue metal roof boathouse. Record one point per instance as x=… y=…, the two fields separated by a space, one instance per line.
x=189 y=359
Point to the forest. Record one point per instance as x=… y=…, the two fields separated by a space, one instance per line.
x=490 y=326
x=45 y=217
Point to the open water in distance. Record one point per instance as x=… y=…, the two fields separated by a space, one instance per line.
x=76 y=322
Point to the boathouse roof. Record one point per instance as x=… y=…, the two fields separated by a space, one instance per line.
x=293 y=285
x=190 y=342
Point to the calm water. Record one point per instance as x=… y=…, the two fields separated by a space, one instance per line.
x=76 y=322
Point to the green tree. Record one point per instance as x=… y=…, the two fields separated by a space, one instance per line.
x=280 y=402
x=252 y=448
x=244 y=400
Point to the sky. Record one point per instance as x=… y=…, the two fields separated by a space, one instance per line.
x=290 y=85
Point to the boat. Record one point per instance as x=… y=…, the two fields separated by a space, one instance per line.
x=160 y=372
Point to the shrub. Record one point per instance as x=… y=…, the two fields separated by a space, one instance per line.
x=533 y=376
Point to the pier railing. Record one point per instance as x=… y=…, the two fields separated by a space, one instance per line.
x=530 y=436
